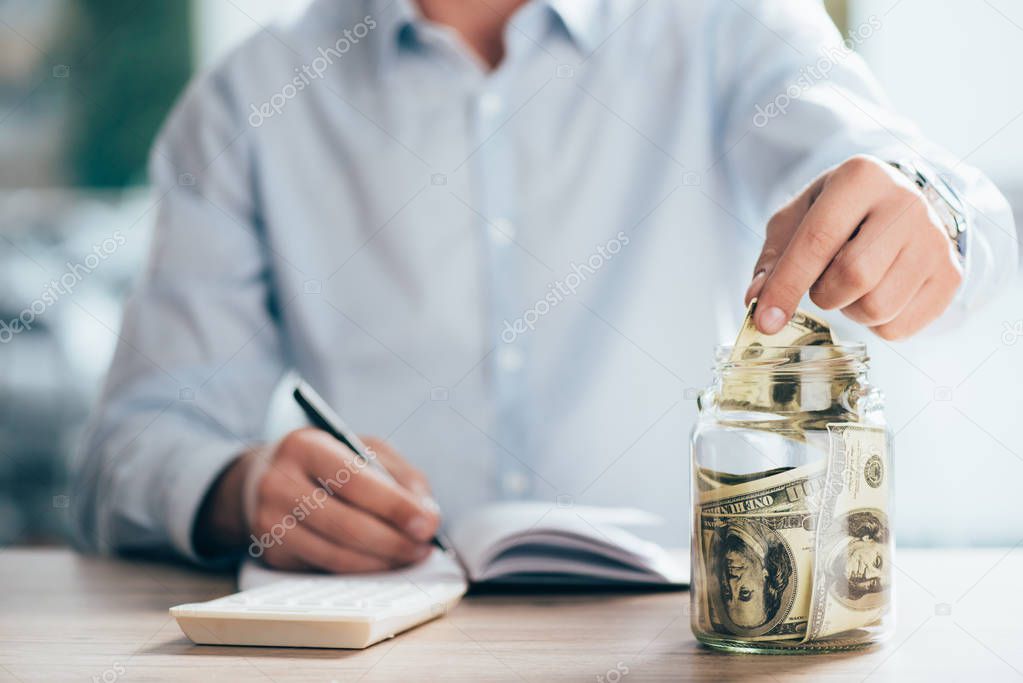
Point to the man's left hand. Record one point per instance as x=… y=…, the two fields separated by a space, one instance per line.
x=861 y=238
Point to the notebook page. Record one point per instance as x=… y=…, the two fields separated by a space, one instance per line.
x=481 y=537
x=438 y=567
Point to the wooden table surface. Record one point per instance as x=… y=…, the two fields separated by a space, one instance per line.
x=66 y=617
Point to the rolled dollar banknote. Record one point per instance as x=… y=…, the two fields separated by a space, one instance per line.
x=793 y=488
x=758 y=573
x=756 y=549
x=802 y=329
x=760 y=382
x=852 y=573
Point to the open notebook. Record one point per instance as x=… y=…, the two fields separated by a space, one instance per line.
x=535 y=542
x=509 y=543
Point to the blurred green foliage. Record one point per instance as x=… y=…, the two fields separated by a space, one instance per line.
x=129 y=60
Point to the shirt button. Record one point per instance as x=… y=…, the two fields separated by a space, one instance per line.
x=509 y=359
x=514 y=483
x=502 y=231
x=490 y=104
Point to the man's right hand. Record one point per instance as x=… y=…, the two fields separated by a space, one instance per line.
x=316 y=505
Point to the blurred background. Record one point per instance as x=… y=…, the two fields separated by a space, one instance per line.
x=85 y=84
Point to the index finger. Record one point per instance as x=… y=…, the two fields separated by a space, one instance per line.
x=824 y=229
x=399 y=468
x=338 y=471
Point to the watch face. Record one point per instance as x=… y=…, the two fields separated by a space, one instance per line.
x=947 y=194
x=941 y=187
x=943 y=198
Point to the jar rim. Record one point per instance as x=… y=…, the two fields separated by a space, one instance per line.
x=843 y=358
x=852 y=349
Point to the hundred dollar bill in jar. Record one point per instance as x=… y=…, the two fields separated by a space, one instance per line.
x=792 y=542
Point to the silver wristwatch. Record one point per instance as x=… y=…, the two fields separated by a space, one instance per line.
x=942 y=198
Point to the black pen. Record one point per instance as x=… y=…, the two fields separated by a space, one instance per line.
x=323 y=417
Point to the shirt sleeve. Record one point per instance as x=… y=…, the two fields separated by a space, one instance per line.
x=796 y=99
x=199 y=352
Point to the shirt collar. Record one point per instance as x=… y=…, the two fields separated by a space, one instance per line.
x=591 y=22
x=395 y=20
x=585 y=21
x=394 y=17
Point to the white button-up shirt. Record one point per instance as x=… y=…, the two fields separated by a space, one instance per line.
x=517 y=276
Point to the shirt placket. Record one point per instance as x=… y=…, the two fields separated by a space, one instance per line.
x=495 y=171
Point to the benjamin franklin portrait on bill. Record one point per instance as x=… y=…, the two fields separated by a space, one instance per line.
x=859 y=562
x=753 y=568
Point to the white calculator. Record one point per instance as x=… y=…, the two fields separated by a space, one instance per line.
x=321 y=611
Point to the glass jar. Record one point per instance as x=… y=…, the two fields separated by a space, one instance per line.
x=792 y=545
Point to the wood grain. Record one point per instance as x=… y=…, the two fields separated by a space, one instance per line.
x=67 y=617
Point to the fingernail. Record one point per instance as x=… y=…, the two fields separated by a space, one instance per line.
x=772 y=319
x=430 y=504
x=419 y=528
x=758 y=277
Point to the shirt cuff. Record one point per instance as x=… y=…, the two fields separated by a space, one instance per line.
x=190 y=482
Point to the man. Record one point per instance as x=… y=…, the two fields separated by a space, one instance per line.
x=504 y=237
